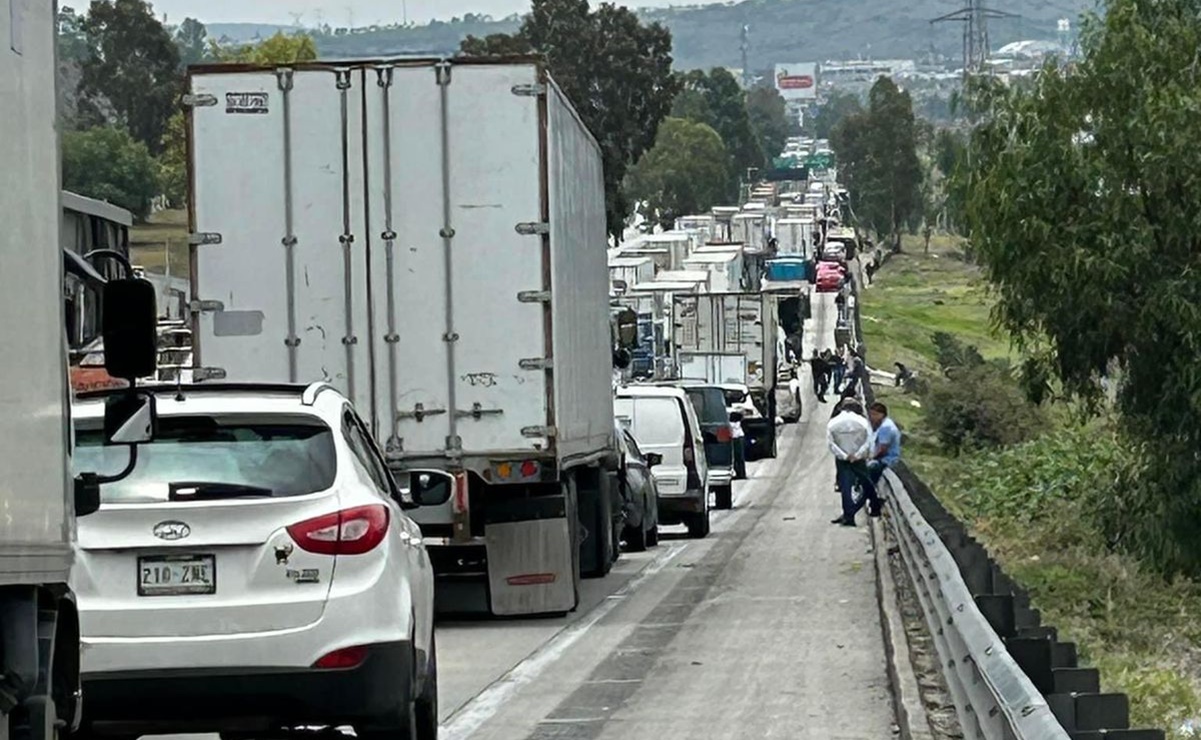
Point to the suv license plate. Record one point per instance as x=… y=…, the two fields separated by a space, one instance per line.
x=177 y=575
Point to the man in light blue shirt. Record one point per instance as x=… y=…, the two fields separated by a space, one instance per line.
x=886 y=452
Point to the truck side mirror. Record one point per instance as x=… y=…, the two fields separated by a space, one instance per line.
x=130 y=418
x=622 y=359
x=130 y=329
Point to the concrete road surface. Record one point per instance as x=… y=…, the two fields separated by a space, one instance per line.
x=768 y=628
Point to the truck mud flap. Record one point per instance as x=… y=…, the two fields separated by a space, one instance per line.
x=529 y=556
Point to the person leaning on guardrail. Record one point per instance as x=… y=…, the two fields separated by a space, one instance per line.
x=849 y=435
x=886 y=452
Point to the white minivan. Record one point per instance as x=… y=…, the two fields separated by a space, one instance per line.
x=664 y=421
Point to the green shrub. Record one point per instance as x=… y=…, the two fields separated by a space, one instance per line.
x=980 y=407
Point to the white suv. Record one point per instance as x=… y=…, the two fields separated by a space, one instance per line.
x=255 y=571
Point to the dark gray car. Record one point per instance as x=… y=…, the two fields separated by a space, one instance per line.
x=640 y=497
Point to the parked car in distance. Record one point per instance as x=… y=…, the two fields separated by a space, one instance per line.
x=256 y=570
x=829 y=277
x=640 y=496
x=664 y=421
x=718 y=434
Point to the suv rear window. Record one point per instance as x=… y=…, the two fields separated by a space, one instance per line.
x=225 y=456
x=653 y=420
x=710 y=405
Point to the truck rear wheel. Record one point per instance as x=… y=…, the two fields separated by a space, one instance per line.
x=596 y=522
x=724 y=496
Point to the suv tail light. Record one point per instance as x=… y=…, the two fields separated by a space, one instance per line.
x=347 y=532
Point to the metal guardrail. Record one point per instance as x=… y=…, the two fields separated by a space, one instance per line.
x=994 y=698
x=1008 y=674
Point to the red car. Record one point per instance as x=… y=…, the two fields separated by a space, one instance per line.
x=829 y=277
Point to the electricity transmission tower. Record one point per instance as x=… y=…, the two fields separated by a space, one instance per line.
x=746 y=48
x=975 y=19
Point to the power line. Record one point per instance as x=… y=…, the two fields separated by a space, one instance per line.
x=975 y=19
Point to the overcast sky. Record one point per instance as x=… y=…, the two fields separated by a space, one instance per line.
x=339 y=12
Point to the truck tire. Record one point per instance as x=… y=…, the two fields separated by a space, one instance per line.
x=724 y=496
x=596 y=522
x=698 y=524
x=636 y=538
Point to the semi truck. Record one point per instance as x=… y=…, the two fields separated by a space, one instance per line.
x=40 y=694
x=429 y=236
x=726 y=333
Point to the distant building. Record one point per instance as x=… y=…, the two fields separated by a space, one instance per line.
x=864 y=70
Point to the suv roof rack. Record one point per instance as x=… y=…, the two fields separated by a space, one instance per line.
x=308 y=392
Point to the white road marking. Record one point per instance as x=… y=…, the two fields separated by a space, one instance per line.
x=465 y=722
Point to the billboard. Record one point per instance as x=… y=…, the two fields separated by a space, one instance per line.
x=797 y=81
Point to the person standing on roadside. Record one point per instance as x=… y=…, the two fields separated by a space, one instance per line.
x=849 y=436
x=739 y=444
x=821 y=376
x=838 y=367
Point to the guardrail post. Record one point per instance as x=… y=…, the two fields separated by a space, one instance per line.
x=1120 y=735
x=998 y=610
x=1033 y=656
x=1076 y=680
x=1102 y=712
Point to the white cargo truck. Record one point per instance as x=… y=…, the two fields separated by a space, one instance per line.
x=39 y=622
x=794 y=237
x=724 y=268
x=429 y=235
x=709 y=328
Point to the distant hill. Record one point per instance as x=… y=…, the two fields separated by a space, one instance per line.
x=241 y=33
x=781 y=31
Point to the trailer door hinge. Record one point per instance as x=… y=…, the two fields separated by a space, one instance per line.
x=206 y=306
x=531 y=228
x=201 y=374
x=477 y=412
x=539 y=432
x=534 y=296
x=534 y=90
x=536 y=363
x=419 y=413
x=201 y=100
x=204 y=237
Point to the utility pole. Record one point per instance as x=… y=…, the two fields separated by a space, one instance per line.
x=975 y=19
x=746 y=48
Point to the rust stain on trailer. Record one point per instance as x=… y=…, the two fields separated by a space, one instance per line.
x=486 y=380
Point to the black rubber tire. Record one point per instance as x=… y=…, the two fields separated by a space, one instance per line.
x=775 y=446
x=598 y=516
x=636 y=539
x=724 y=496
x=406 y=726
x=698 y=524
x=427 y=702
x=652 y=535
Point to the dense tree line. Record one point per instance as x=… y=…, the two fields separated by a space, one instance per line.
x=121 y=78
x=1077 y=197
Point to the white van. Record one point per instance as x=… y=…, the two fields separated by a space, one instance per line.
x=664 y=421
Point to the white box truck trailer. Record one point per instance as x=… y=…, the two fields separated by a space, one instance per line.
x=360 y=222
x=708 y=328
x=39 y=621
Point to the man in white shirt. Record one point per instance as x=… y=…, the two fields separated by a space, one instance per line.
x=849 y=435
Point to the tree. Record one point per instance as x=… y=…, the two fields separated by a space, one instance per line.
x=72 y=41
x=278 y=49
x=836 y=108
x=877 y=153
x=107 y=163
x=685 y=172
x=191 y=38
x=615 y=71
x=717 y=100
x=1080 y=207
x=131 y=71
x=769 y=119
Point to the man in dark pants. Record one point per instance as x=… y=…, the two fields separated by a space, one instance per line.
x=821 y=376
x=849 y=436
x=886 y=453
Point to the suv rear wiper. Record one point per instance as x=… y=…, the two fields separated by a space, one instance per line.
x=201 y=491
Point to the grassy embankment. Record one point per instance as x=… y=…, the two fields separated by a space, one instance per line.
x=1030 y=503
x=164 y=236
